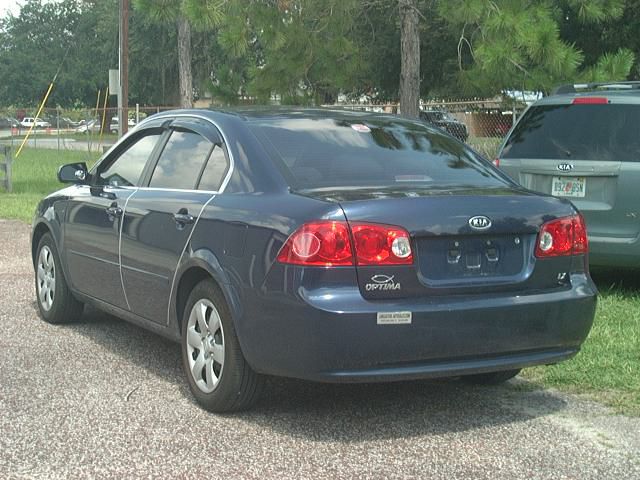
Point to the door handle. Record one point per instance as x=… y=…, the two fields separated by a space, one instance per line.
x=114 y=210
x=183 y=217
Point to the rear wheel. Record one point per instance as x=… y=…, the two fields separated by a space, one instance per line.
x=491 y=378
x=56 y=303
x=218 y=375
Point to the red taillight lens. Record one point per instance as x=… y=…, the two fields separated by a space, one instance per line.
x=496 y=162
x=329 y=244
x=590 y=101
x=318 y=243
x=565 y=236
x=381 y=244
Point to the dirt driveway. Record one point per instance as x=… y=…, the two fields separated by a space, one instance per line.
x=105 y=399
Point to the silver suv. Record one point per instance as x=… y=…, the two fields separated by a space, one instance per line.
x=582 y=143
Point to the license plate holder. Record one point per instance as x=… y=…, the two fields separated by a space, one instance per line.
x=574 y=187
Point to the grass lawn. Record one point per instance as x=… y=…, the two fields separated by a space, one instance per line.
x=92 y=136
x=34 y=176
x=607 y=368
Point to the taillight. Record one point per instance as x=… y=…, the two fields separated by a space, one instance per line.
x=319 y=243
x=496 y=162
x=328 y=244
x=590 y=101
x=381 y=244
x=564 y=236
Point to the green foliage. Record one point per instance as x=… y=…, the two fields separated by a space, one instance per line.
x=309 y=51
x=304 y=50
x=160 y=11
x=517 y=44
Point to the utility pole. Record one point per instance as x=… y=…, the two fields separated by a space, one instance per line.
x=123 y=98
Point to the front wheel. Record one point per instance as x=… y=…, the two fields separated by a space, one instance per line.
x=491 y=378
x=219 y=377
x=56 y=303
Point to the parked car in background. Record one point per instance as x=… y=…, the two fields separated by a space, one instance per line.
x=115 y=123
x=91 y=126
x=446 y=122
x=582 y=144
x=8 y=122
x=61 y=122
x=27 y=122
x=325 y=245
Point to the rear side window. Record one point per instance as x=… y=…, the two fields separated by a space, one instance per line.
x=214 y=171
x=606 y=132
x=127 y=168
x=181 y=161
x=325 y=153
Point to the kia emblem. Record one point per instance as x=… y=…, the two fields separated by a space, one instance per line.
x=565 y=167
x=480 y=222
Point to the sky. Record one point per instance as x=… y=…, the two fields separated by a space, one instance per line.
x=12 y=6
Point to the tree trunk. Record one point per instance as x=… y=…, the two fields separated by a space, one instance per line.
x=410 y=59
x=184 y=63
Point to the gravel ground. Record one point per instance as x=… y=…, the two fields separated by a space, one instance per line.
x=105 y=399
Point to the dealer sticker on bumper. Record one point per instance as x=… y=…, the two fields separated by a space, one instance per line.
x=394 y=318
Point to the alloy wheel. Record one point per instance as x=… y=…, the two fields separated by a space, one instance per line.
x=205 y=345
x=46 y=274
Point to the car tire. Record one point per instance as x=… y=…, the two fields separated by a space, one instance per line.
x=491 y=378
x=56 y=303
x=219 y=377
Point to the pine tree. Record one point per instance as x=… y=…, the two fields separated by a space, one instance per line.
x=204 y=14
x=516 y=44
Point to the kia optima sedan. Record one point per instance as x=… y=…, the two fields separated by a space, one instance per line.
x=324 y=245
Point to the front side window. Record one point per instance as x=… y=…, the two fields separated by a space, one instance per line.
x=181 y=161
x=126 y=170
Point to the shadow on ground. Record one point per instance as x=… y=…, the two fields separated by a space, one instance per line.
x=328 y=412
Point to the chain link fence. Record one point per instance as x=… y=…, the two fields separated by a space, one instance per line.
x=482 y=124
x=89 y=130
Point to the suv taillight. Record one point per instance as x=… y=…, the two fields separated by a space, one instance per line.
x=564 y=236
x=329 y=244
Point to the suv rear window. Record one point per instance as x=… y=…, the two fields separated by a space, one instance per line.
x=330 y=152
x=608 y=132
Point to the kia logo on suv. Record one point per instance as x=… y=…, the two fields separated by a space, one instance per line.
x=479 y=222
x=565 y=167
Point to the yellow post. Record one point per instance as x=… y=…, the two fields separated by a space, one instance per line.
x=104 y=114
x=97 y=103
x=26 y=137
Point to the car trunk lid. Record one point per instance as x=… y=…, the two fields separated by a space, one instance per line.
x=463 y=239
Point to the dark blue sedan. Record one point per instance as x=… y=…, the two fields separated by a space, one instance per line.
x=325 y=245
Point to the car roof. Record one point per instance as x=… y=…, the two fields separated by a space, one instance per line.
x=264 y=114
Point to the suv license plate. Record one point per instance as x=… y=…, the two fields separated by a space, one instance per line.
x=568 y=186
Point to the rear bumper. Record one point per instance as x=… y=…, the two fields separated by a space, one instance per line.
x=333 y=335
x=614 y=252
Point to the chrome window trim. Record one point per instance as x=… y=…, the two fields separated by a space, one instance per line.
x=183 y=190
x=232 y=162
x=184 y=249
x=124 y=212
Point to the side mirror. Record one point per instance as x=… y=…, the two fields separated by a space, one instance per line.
x=73 y=173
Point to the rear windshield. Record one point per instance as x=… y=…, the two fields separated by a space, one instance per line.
x=581 y=132
x=325 y=153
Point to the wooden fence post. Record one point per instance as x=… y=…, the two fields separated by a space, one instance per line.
x=5 y=167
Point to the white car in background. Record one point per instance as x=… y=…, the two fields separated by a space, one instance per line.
x=28 y=122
